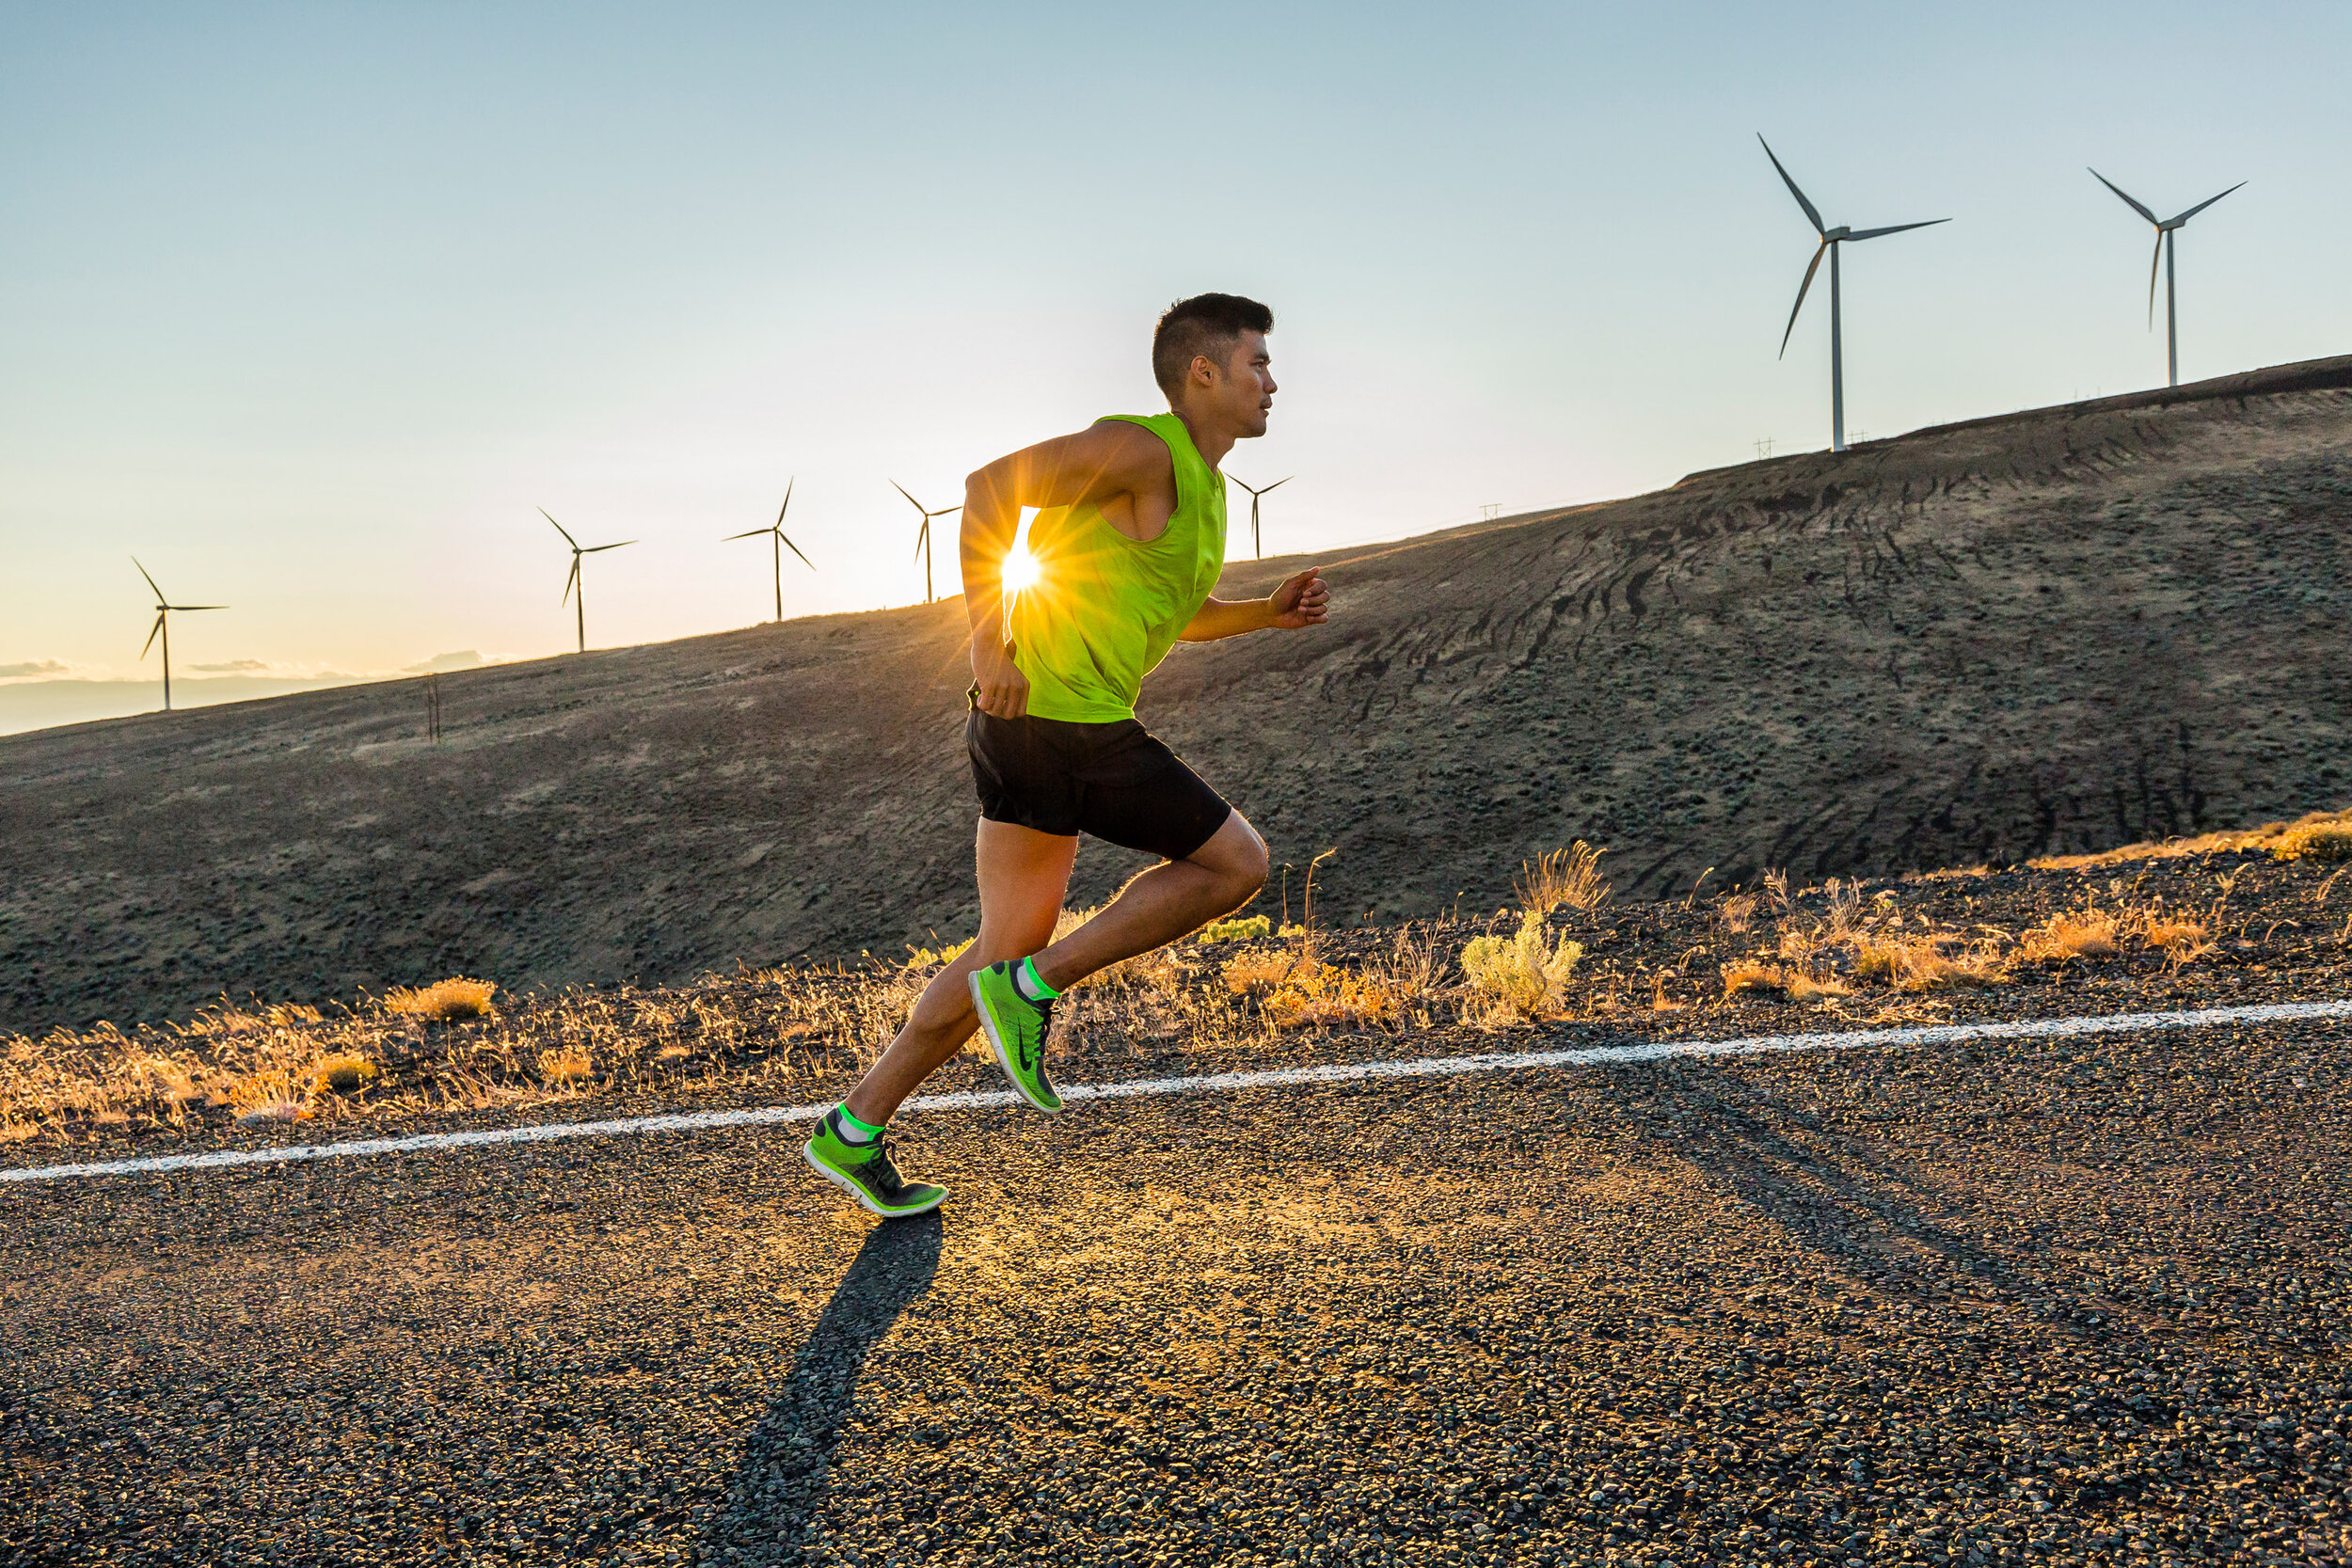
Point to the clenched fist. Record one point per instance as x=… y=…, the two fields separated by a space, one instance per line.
x=1304 y=600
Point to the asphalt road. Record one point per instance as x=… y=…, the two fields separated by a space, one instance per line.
x=2051 y=1302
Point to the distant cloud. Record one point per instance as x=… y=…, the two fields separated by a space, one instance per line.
x=37 y=668
x=469 y=659
x=235 y=667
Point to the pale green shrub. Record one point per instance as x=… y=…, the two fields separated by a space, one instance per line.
x=1521 y=974
x=1235 y=930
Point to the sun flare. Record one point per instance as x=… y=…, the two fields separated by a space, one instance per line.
x=1021 y=568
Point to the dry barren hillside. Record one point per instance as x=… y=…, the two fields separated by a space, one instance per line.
x=2047 y=632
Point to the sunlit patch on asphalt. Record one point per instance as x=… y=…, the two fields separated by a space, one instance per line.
x=1218 y=1082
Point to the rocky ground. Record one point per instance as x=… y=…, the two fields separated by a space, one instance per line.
x=2243 y=925
x=2050 y=632
x=2043 y=1300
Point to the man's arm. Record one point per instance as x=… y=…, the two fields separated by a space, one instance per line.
x=1098 y=464
x=1303 y=600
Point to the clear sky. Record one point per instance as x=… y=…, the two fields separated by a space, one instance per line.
x=311 y=307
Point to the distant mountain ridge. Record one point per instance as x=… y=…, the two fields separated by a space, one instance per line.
x=33 y=705
x=2042 y=632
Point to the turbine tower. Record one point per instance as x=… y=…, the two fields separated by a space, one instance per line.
x=579 y=607
x=1257 y=544
x=163 y=629
x=922 y=539
x=781 y=544
x=1830 y=240
x=2166 y=228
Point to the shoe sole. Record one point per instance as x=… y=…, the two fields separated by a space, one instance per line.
x=864 y=1201
x=996 y=1047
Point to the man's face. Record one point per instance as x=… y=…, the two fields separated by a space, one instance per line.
x=1245 y=391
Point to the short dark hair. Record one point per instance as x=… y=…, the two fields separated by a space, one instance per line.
x=1205 y=323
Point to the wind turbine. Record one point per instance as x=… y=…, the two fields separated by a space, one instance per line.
x=1830 y=240
x=576 y=581
x=923 y=540
x=1255 y=542
x=781 y=544
x=163 y=629
x=2165 y=229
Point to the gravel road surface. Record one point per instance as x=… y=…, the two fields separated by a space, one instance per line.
x=2050 y=1302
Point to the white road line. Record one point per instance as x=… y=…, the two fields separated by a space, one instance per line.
x=1420 y=1067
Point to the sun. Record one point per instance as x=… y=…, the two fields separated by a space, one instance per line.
x=1021 y=568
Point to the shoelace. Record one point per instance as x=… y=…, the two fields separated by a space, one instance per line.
x=884 y=1171
x=1033 y=1051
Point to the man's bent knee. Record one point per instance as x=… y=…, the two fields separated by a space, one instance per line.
x=1238 y=856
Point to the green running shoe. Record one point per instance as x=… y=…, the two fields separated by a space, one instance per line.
x=865 y=1173
x=1016 y=1029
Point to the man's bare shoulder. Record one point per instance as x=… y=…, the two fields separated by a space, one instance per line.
x=1127 y=455
x=1131 y=442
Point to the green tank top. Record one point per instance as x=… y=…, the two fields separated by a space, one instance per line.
x=1105 y=609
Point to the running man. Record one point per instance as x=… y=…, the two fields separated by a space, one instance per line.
x=1129 y=538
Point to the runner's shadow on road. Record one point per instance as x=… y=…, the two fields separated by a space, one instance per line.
x=781 y=1484
x=1830 y=1195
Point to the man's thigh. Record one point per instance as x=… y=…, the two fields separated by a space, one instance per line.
x=1023 y=874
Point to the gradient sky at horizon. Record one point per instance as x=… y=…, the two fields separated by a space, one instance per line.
x=311 y=307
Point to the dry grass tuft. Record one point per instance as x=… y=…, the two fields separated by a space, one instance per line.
x=2270 y=836
x=443 y=1002
x=1817 y=987
x=1521 y=976
x=1748 y=977
x=2183 y=940
x=1317 y=996
x=344 y=1072
x=932 y=957
x=2089 y=933
x=2326 y=841
x=272 y=1093
x=564 y=1067
x=1937 y=960
x=1568 y=878
x=1258 y=969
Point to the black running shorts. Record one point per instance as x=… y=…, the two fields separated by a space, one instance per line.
x=1118 y=782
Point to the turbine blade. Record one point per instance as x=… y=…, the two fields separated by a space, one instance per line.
x=2127 y=200
x=796 y=550
x=197 y=607
x=2200 y=207
x=150 y=634
x=945 y=511
x=752 y=535
x=910 y=500
x=151 y=582
x=922 y=537
x=1896 y=229
x=1818 y=251
x=1243 y=483
x=569 y=581
x=1812 y=214
x=2154 y=263
x=560 y=529
x=1279 y=482
x=787 y=499
x=594 y=549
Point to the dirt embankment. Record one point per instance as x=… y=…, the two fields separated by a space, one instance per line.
x=2046 y=633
